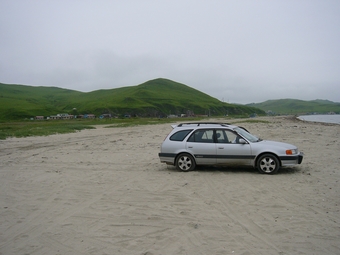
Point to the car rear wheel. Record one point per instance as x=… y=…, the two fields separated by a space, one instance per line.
x=185 y=162
x=268 y=164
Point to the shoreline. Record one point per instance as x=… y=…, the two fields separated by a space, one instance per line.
x=104 y=191
x=321 y=118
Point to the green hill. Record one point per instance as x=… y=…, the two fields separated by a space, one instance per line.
x=19 y=101
x=294 y=106
x=159 y=97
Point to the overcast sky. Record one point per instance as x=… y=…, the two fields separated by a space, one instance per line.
x=237 y=51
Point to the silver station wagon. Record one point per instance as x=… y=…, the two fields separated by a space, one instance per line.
x=191 y=144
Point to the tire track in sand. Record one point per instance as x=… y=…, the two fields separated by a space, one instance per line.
x=250 y=233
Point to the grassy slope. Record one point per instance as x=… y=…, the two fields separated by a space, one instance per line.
x=19 y=101
x=294 y=106
x=160 y=93
x=152 y=98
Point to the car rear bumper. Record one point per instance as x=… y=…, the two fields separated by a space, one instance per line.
x=168 y=158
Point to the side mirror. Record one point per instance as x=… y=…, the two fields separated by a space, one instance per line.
x=242 y=141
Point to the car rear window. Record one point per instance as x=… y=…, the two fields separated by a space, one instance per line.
x=202 y=136
x=180 y=135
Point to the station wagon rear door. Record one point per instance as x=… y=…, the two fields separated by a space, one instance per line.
x=201 y=144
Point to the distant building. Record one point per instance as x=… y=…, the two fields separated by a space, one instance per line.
x=270 y=112
x=61 y=116
x=89 y=116
x=172 y=116
x=105 y=116
x=55 y=117
x=66 y=116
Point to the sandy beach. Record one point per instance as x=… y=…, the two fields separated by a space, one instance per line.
x=104 y=191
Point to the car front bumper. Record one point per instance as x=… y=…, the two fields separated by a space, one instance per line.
x=300 y=157
x=292 y=160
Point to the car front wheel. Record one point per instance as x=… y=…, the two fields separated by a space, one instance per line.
x=185 y=162
x=268 y=164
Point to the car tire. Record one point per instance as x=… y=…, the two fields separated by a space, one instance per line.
x=268 y=164
x=185 y=162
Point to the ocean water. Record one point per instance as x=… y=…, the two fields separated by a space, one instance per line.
x=331 y=118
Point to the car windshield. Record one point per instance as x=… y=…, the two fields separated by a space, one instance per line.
x=248 y=136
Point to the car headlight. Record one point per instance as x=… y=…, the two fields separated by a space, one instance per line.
x=292 y=151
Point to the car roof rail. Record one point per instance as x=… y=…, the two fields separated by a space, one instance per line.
x=203 y=123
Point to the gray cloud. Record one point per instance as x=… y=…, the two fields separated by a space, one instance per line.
x=236 y=51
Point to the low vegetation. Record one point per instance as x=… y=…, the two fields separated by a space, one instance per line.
x=44 y=128
x=39 y=128
x=250 y=121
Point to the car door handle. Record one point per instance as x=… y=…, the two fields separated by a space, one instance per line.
x=221 y=148
x=190 y=147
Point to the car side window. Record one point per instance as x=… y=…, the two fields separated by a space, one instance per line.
x=180 y=135
x=226 y=136
x=221 y=136
x=202 y=136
